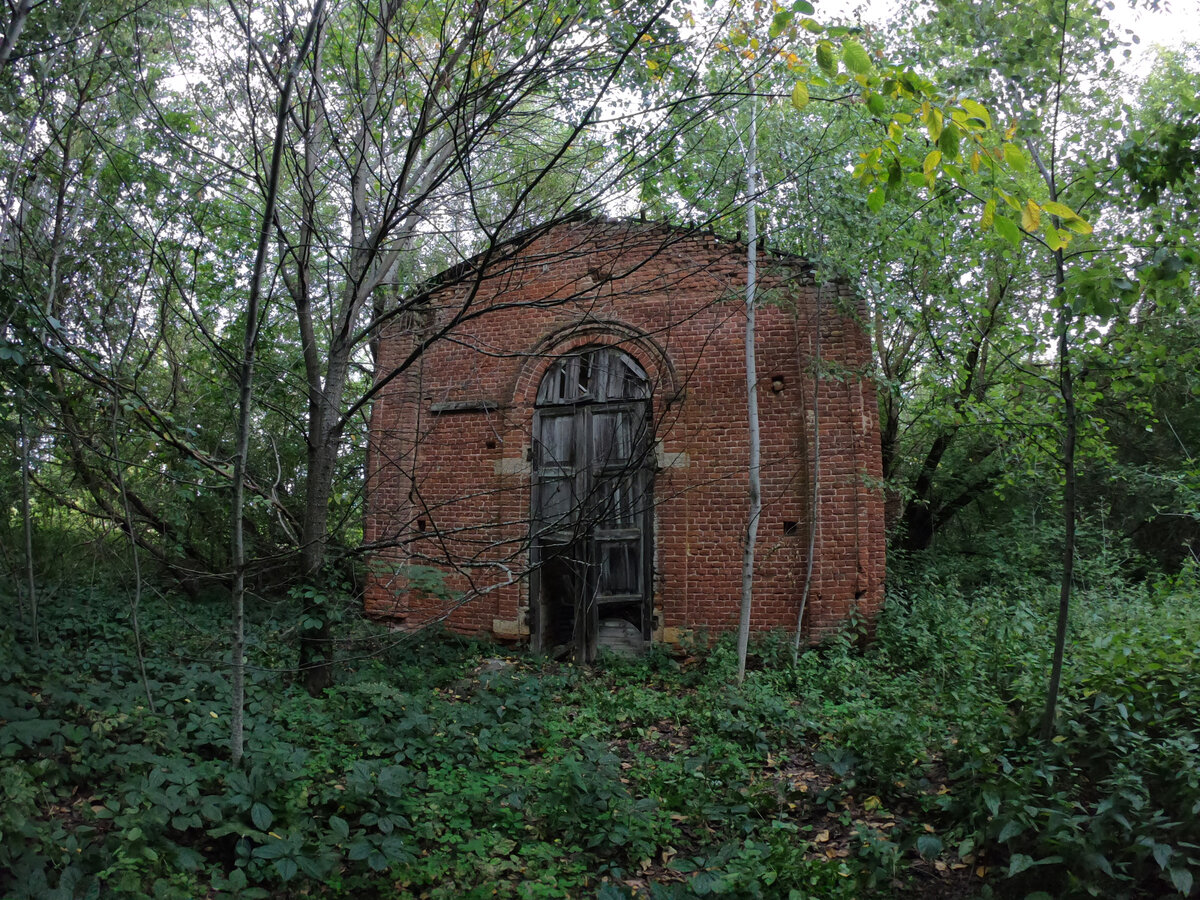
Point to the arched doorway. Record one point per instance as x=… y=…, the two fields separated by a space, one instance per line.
x=591 y=517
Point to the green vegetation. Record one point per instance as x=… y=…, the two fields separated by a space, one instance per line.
x=903 y=766
x=1018 y=212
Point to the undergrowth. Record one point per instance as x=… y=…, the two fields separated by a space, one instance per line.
x=907 y=764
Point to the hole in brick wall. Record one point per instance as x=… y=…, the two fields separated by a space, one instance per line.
x=491 y=445
x=776 y=383
x=791 y=529
x=420 y=524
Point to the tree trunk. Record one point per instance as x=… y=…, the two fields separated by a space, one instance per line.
x=1067 y=387
x=15 y=26
x=135 y=607
x=316 y=630
x=245 y=385
x=27 y=522
x=755 y=491
x=815 y=495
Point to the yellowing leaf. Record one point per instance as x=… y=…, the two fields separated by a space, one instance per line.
x=989 y=214
x=1069 y=217
x=800 y=95
x=977 y=111
x=1031 y=216
x=934 y=124
x=1059 y=209
x=975 y=162
x=931 y=162
x=1056 y=239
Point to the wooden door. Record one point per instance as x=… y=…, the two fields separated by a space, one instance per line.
x=591 y=514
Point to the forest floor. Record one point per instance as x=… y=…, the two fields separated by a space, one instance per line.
x=907 y=766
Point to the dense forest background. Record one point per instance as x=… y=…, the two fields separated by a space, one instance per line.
x=208 y=212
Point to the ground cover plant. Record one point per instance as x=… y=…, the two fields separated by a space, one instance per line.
x=441 y=767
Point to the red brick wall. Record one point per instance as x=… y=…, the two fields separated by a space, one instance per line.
x=448 y=477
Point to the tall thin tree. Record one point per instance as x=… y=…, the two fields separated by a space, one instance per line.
x=755 y=481
x=245 y=386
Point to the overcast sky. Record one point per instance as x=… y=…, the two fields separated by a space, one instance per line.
x=1176 y=24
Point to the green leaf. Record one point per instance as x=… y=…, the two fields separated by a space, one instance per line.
x=781 y=21
x=894 y=173
x=1014 y=158
x=260 y=815
x=1019 y=863
x=393 y=780
x=340 y=827
x=877 y=104
x=929 y=845
x=876 y=199
x=1007 y=229
x=949 y=140
x=1162 y=854
x=1010 y=830
x=1055 y=239
x=826 y=58
x=1182 y=879
x=803 y=6
x=856 y=58
x=800 y=95
x=286 y=868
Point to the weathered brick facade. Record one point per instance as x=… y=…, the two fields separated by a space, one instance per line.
x=450 y=456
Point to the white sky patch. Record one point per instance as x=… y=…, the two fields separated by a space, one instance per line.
x=1175 y=24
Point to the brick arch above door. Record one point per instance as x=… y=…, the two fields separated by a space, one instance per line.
x=665 y=384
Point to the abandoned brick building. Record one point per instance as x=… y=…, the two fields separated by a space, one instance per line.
x=565 y=462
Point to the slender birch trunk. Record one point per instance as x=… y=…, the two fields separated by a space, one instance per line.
x=27 y=521
x=1066 y=385
x=245 y=385
x=815 y=497
x=135 y=608
x=751 y=400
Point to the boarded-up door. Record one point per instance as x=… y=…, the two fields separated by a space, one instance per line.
x=592 y=482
